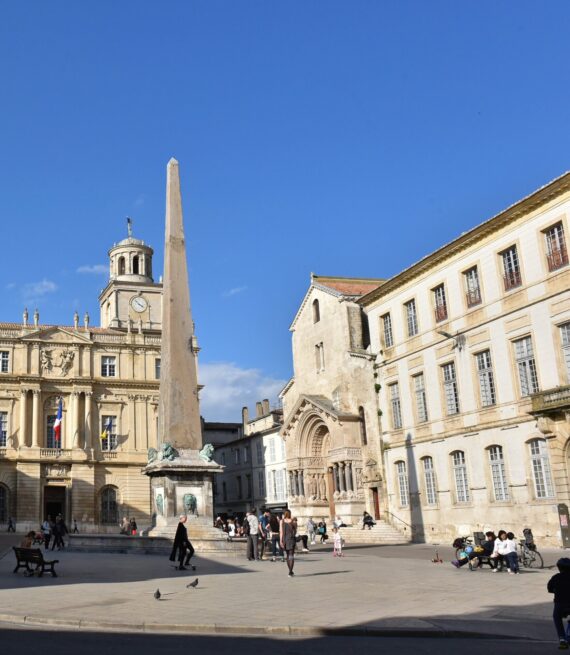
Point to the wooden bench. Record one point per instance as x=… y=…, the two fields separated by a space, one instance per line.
x=34 y=556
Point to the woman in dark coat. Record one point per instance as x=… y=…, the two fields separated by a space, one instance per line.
x=182 y=544
x=287 y=534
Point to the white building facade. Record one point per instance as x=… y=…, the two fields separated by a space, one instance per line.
x=473 y=347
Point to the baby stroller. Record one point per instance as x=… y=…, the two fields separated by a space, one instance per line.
x=529 y=539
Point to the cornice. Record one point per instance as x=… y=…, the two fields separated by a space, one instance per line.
x=528 y=204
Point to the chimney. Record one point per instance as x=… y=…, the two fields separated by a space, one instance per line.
x=244 y=416
x=258 y=410
x=266 y=408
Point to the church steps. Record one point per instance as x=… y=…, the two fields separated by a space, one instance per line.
x=381 y=533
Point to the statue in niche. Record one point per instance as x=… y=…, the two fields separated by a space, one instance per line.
x=190 y=503
x=322 y=488
x=313 y=491
x=358 y=478
x=160 y=504
x=207 y=453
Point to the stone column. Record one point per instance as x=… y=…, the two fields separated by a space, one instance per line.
x=342 y=473
x=332 y=477
x=132 y=444
x=88 y=425
x=349 y=481
x=75 y=432
x=23 y=415
x=291 y=489
x=35 y=418
x=302 y=482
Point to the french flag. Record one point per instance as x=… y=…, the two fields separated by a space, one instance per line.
x=57 y=424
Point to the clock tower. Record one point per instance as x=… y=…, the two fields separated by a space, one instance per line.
x=132 y=299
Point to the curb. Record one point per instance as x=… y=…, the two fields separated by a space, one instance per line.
x=267 y=631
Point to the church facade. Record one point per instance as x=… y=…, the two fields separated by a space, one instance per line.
x=105 y=380
x=331 y=426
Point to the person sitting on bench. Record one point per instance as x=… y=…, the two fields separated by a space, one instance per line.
x=488 y=547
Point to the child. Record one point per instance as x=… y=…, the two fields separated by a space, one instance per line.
x=337 y=543
x=559 y=585
x=510 y=555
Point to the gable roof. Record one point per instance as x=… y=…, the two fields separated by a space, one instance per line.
x=320 y=404
x=350 y=288
x=527 y=204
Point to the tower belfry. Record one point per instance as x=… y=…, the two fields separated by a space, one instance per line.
x=131 y=296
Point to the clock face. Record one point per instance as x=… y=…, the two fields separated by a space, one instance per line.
x=139 y=304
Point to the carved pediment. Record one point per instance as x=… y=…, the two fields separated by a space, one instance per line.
x=58 y=335
x=318 y=405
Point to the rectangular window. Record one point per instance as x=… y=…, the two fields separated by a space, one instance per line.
x=472 y=287
x=3 y=429
x=50 y=433
x=271 y=450
x=157 y=368
x=450 y=389
x=429 y=477
x=565 y=337
x=239 y=488
x=320 y=357
x=261 y=483
x=259 y=452
x=486 y=379
x=237 y=456
x=556 y=253
x=411 y=318
x=500 y=488
x=283 y=450
x=541 y=469
x=421 y=402
x=511 y=268
x=249 y=489
x=526 y=366
x=245 y=455
x=440 y=303
x=460 y=475
x=108 y=367
x=387 y=329
x=273 y=478
x=396 y=408
x=224 y=491
x=223 y=459
x=4 y=361
x=108 y=433
x=280 y=484
x=403 y=484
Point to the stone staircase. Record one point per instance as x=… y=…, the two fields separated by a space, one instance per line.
x=381 y=534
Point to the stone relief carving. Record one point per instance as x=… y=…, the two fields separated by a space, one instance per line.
x=322 y=488
x=62 y=360
x=57 y=470
x=160 y=504
x=313 y=491
x=190 y=503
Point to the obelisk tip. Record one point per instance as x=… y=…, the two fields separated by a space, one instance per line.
x=173 y=162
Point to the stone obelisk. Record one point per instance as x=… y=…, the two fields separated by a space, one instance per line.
x=179 y=413
x=181 y=474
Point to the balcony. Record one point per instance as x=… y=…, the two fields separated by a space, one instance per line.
x=557 y=258
x=440 y=313
x=473 y=297
x=552 y=400
x=512 y=280
x=54 y=453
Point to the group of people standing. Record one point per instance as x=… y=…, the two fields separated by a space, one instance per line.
x=129 y=526
x=54 y=531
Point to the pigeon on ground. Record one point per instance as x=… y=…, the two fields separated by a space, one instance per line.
x=157 y=594
x=192 y=584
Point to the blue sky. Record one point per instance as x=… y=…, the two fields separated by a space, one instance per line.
x=344 y=138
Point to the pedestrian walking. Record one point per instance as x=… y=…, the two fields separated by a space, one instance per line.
x=287 y=534
x=46 y=531
x=559 y=585
x=75 y=530
x=181 y=545
x=251 y=525
x=312 y=531
x=11 y=524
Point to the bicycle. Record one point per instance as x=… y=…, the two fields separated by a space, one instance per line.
x=529 y=557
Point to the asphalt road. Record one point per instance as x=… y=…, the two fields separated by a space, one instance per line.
x=15 y=642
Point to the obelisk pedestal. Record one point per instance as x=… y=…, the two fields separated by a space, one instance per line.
x=181 y=470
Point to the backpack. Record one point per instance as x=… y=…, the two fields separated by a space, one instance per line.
x=246 y=527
